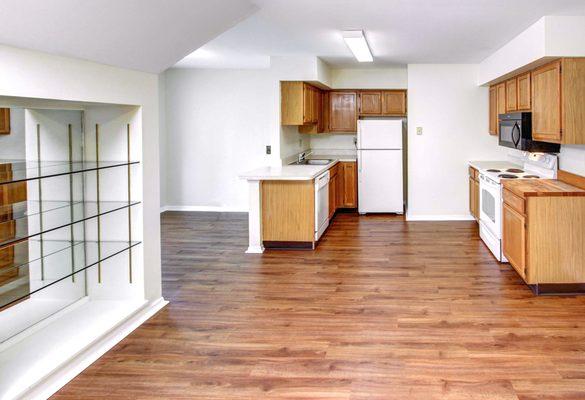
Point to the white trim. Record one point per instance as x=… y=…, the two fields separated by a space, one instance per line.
x=202 y=208
x=444 y=217
x=63 y=375
x=255 y=250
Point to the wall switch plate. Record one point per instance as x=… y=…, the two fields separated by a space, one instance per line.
x=419 y=130
x=268 y=149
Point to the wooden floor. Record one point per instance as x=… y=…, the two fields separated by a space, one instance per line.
x=383 y=309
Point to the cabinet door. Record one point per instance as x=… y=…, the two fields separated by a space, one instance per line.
x=524 y=94
x=340 y=186
x=4 y=121
x=501 y=103
x=332 y=195
x=476 y=199
x=511 y=95
x=350 y=185
x=324 y=121
x=342 y=112
x=493 y=110
x=394 y=102
x=472 y=209
x=309 y=116
x=514 y=239
x=370 y=103
x=546 y=103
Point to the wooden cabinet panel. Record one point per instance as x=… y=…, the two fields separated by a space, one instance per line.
x=514 y=239
x=324 y=121
x=4 y=121
x=394 y=102
x=309 y=104
x=472 y=210
x=288 y=211
x=493 y=129
x=370 y=102
x=476 y=199
x=501 y=98
x=573 y=101
x=332 y=196
x=349 y=185
x=546 y=103
x=524 y=92
x=515 y=202
x=511 y=95
x=343 y=111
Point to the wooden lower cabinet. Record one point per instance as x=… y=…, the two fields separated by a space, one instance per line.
x=288 y=211
x=514 y=239
x=474 y=193
x=333 y=189
x=349 y=198
x=545 y=245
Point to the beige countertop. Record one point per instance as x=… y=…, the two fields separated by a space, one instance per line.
x=294 y=172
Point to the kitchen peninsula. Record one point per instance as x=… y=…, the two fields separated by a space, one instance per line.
x=292 y=205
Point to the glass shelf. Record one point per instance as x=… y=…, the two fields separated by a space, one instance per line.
x=31 y=207
x=12 y=171
x=57 y=266
x=30 y=225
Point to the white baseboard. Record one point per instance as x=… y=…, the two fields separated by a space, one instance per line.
x=445 y=217
x=51 y=384
x=202 y=209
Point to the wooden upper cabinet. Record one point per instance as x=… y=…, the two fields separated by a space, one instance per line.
x=511 y=95
x=4 y=121
x=546 y=103
x=493 y=111
x=524 y=97
x=299 y=103
x=394 y=102
x=343 y=111
x=501 y=98
x=370 y=103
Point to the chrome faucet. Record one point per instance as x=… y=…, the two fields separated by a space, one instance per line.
x=301 y=157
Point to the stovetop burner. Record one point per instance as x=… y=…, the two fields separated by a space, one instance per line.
x=515 y=170
x=494 y=170
x=531 y=176
x=507 y=176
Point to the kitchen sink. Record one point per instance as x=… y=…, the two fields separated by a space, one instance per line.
x=313 y=162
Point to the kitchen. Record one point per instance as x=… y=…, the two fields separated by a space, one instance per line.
x=309 y=199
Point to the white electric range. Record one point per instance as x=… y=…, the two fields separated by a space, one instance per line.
x=534 y=166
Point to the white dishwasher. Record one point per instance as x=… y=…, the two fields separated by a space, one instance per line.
x=321 y=204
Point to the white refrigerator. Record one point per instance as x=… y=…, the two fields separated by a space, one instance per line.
x=380 y=175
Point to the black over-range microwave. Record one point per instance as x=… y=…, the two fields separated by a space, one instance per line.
x=516 y=132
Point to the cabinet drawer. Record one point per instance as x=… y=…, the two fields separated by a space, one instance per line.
x=515 y=202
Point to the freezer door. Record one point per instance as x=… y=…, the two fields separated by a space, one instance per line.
x=379 y=134
x=380 y=187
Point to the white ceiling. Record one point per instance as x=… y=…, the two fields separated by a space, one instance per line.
x=146 y=35
x=399 y=31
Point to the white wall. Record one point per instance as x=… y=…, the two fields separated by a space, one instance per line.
x=572 y=159
x=218 y=125
x=385 y=78
x=13 y=145
x=30 y=74
x=453 y=111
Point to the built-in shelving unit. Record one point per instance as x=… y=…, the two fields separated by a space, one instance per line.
x=70 y=235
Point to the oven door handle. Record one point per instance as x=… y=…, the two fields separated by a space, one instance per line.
x=514 y=140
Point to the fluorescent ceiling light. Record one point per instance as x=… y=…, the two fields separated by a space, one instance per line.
x=356 y=41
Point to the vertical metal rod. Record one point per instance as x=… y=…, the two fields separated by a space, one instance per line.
x=40 y=189
x=129 y=208
x=83 y=177
x=71 y=215
x=99 y=225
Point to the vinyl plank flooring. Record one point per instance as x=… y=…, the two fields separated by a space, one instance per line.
x=382 y=309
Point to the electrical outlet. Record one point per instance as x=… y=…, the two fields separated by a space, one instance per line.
x=268 y=149
x=419 y=130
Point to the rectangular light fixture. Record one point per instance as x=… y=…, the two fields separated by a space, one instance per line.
x=356 y=41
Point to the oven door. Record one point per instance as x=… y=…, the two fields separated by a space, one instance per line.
x=490 y=205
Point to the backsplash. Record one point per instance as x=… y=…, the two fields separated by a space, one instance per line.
x=333 y=141
x=572 y=159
